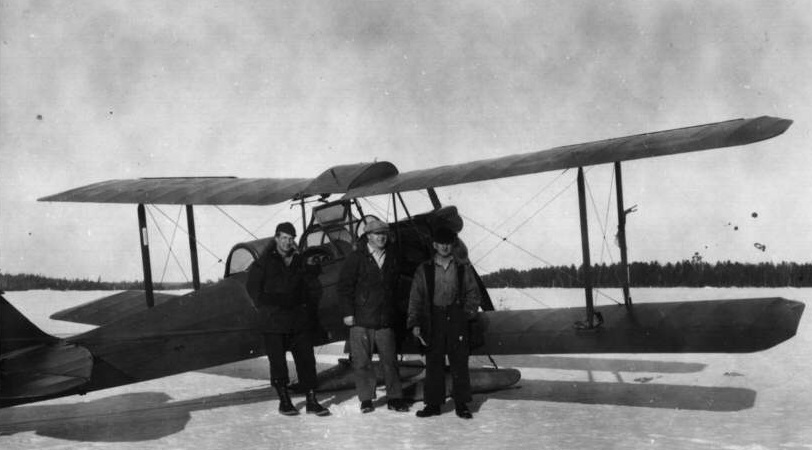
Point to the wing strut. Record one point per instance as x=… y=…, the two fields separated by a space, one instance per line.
x=621 y=236
x=142 y=227
x=190 y=222
x=397 y=229
x=304 y=215
x=587 y=266
x=435 y=201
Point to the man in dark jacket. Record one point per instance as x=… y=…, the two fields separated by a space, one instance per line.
x=443 y=299
x=289 y=319
x=366 y=289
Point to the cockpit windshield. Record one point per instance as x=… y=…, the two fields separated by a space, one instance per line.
x=244 y=254
x=330 y=232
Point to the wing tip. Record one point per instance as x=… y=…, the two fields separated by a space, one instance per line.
x=772 y=126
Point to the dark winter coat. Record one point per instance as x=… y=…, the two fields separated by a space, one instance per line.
x=282 y=298
x=366 y=291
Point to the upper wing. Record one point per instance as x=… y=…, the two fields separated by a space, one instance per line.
x=185 y=191
x=358 y=180
x=226 y=190
x=681 y=140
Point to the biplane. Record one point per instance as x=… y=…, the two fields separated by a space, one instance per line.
x=142 y=335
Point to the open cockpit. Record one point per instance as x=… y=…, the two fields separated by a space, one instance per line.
x=336 y=228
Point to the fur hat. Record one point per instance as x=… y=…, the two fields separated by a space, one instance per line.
x=444 y=235
x=287 y=228
x=375 y=225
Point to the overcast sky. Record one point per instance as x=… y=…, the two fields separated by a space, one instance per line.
x=97 y=90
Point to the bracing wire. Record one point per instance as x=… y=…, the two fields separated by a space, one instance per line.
x=273 y=216
x=519 y=209
x=169 y=244
x=609 y=297
x=214 y=255
x=236 y=222
x=176 y=222
x=520 y=291
x=606 y=245
x=602 y=223
x=520 y=225
x=377 y=209
x=506 y=237
x=603 y=226
x=389 y=206
x=478 y=264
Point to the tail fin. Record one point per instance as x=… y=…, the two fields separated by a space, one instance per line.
x=17 y=332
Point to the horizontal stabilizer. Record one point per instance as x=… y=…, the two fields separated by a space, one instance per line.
x=43 y=371
x=109 y=309
x=713 y=326
x=34 y=364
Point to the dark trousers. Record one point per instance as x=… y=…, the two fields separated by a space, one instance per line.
x=449 y=336
x=300 y=345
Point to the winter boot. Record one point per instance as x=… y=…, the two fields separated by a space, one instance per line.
x=429 y=410
x=285 y=405
x=367 y=406
x=313 y=407
x=462 y=411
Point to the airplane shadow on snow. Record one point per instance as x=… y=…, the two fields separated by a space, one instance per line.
x=131 y=417
x=639 y=393
x=142 y=416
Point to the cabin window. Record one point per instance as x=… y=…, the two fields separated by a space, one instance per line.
x=241 y=259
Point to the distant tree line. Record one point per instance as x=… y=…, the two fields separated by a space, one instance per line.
x=641 y=274
x=655 y=274
x=22 y=282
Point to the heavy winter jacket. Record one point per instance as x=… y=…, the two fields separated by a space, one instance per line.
x=366 y=291
x=282 y=298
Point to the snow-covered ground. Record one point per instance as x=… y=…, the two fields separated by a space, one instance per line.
x=759 y=400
